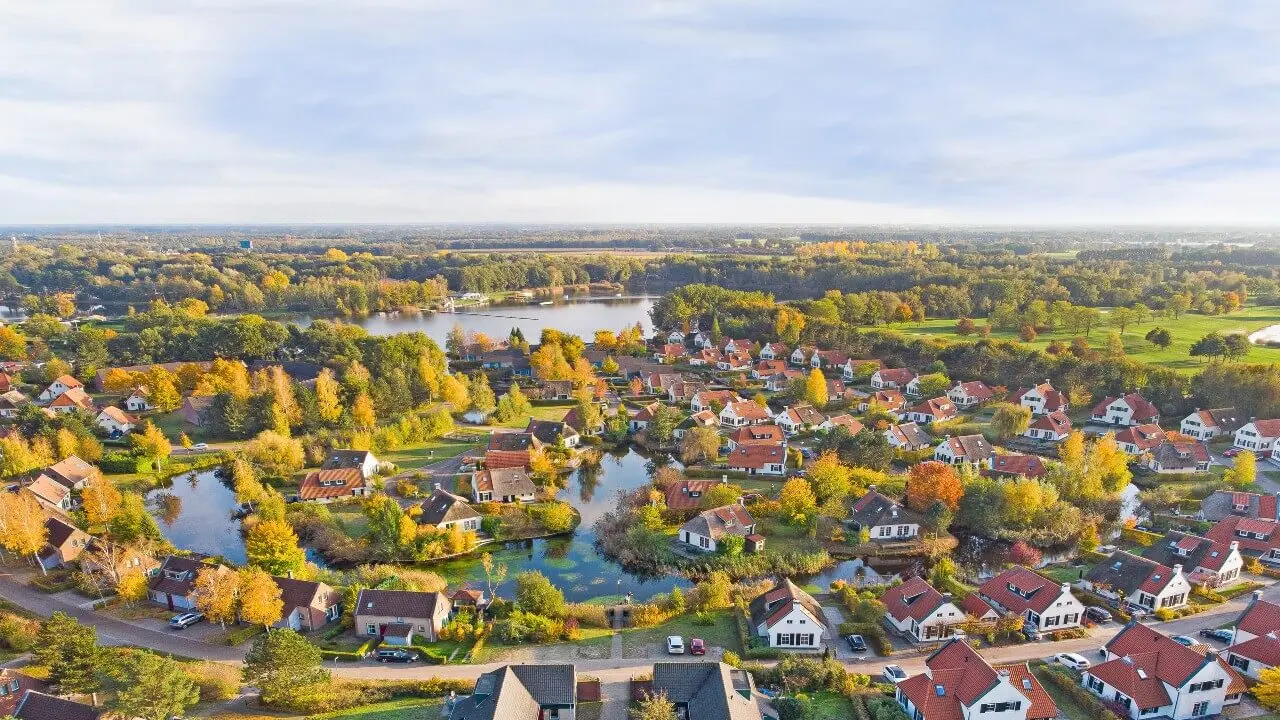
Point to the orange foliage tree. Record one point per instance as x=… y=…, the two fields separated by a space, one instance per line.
x=931 y=482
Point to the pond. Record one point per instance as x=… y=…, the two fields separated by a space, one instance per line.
x=578 y=316
x=195 y=512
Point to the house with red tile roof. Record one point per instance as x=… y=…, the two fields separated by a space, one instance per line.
x=670 y=353
x=734 y=362
x=14 y=684
x=759 y=459
x=1041 y=602
x=1052 y=427
x=788 y=617
x=708 y=527
x=972 y=450
x=1146 y=674
x=1128 y=409
x=890 y=401
x=836 y=389
x=687 y=494
x=705 y=356
x=73 y=400
x=975 y=607
x=1258 y=537
x=1209 y=424
x=892 y=378
x=1206 y=562
x=744 y=412
x=1139 y=582
x=939 y=409
x=774 y=351
x=1042 y=399
x=1139 y=439
x=802 y=354
x=770 y=435
x=768 y=368
x=709 y=399
x=915 y=608
x=1258 y=436
x=1245 y=504
x=970 y=394
x=329 y=485
x=828 y=359
x=958 y=684
x=643 y=417
x=1255 y=645
x=846 y=421
x=799 y=418
x=1016 y=465
x=58 y=386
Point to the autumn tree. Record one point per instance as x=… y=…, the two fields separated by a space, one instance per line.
x=362 y=414
x=273 y=546
x=931 y=482
x=151 y=444
x=132 y=587
x=328 y=396
x=815 y=389
x=655 y=707
x=482 y=399
x=512 y=405
x=830 y=479
x=216 y=594
x=274 y=454
x=22 y=528
x=13 y=344
x=162 y=389
x=454 y=391
x=1244 y=472
x=1010 y=420
x=1267 y=691
x=797 y=501
x=260 y=602
x=101 y=500
x=286 y=668
x=698 y=444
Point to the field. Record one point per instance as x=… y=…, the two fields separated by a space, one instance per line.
x=412 y=457
x=1185 y=330
x=406 y=709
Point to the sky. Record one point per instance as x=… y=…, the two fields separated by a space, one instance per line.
x=640 y=111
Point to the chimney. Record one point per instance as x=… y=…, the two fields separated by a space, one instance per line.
x=946 y=597
x=1234 y=545
x=1177 y=569
x=872 y=488
x=1257 y=595
x=435 y=486
x=289 y=574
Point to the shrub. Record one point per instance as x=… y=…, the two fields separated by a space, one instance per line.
x=1066 y=681
x=704 y=619
x=885 y=708
x=1164 y=614
x=18 y=633
x=873 y=632
x=731 y=659
x=217 y=682
x=589 y=615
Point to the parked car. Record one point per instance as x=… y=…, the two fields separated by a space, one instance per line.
x=894 y=674
x=1031 y=632
x=185 y=620
x=856 y=643
x=1186 y=640
x=1222 y=634
x=675 y=645
x=1231 y=452
x=200 y=446
x=1072 y=660
x=697 y=647
x=395 y=655
x=1097 y=614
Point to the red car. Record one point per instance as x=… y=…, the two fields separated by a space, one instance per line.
x=697 y=647
x=1231 y=452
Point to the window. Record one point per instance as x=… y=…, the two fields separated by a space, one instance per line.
x=1150 y=711
x=1206 y=685
x=1001 y=707
x=885 y=531
x=1094 y=684
x=370 y=629
x=1238 y=662
x=1201 y=708
x=1070 y=618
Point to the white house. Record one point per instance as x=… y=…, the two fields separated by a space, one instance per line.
x=59 y=386
x=1211 y=562
x=1139 y=581
x=882 y=518
x=773 y=351
x=788 y=617
x=1254 y=645
x=958 y=684
x=892 y=378
x=705 y=399
x=707 y=528
x=675 y=337
x=139 y=400
x=1139 y=439
x=960 y=449
x=970 y=394
x=1051 y=427
x=907 y=436
x=1258 y=436
x=801 y=355
x=1041 y=602
x=1130 y=409
x=799 y=418
x=744 y=412
x=731 y=346
x=1209 y=424
x=917 y=609
x=113 y=420
x=703 y=340
x=1148 y=675
x=363 y=459
x=1042 y=399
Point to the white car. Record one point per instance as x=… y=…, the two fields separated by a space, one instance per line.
x=894 y=674
x=675 y=645
x=200 y=446
x=1072 y=660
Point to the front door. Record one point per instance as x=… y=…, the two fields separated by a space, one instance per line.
x=169 y=600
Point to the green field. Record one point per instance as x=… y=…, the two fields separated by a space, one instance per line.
x=412 y=457
x=540 y=412
x=637 y=642
x=406 y=709
x=1187 y=329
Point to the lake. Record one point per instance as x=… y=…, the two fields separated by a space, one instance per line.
x=578 y=316
x=194 y=512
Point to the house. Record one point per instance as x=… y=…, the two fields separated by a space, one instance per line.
x=1041 y=602
x=328 y=485
x=59 y=386
x=1258 y=537
x=362 y=459
x=1228 y=502
x=35 y=705
x=674 y=337
x=671 y=352
x=938 y=409
x=643 y=417
x=958 y=683
x=1128 y=409
x=707 y=690
x=883 y=519
x=468 y=598
x=1178 y=456
x=734 y=362
x=113 y=420
x=194 y=408
x=658 y=382
x=73 y=400
x=1139 y=582
x=970 y=394
x=1042 y=399
x=907 y=436
x=1258 y=436
x=890 y=401
x=975 y=607
x=788 y=617
x=1138 y=439
x=510 y=449
x=51 y=494
x=397 y=616
x=13 y=686
x=836 y=389
x=774 y=351
x=174 y=584
x=768 y=368
x=780 y=381
x=1209 y=424
x=799 y=418
x=770 y=435
x=506 y=485
x=735 y=346
x=961 y=449
x=1254 y=645
x=573 y=418
x=705 y=529
x=759 y=459
x=705 y=357
x=11 y=401
x=1051 y=427
x=702 y=418
x=1017 y=465
x=801 y=355
x=139 y=400
x=1147 y=674
x=549 y=432
x=1212 y=563
x=445 y=510
x=64 y=543
x=72 y=472
x=516 y=692
x=308 y=605
x=828 y=359
x=912 y=389
x=713 y=399
x=916 y=609
x=846 y=421
x=684 y=390
x=687 y=494
x=744 y=412
x=892 y=379
x=557 y=389
x=853 y=367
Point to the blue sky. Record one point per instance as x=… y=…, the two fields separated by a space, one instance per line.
x=738 y=111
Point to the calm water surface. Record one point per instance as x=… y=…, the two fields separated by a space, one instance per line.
x=195 y=513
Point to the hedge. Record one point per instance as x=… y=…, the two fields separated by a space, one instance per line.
x=1139 y=537
x=874 y=634
x=239 y=635
x=347 y=655
x=1066 y=682
x=744 y=637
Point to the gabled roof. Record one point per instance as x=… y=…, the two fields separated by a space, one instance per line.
x=1223 y=503
x=505 y=481
x=39 y=706
x=902 y=376
x=306 y=594
x=1021 y=677
x=546 y=431
x=1056 y=422
x=444 y=506
x=755 y=457
x=1147 y=660
x=513 y=442
x=757 y=435
x=9 y=676
x=724 y=397
x=887 y=399
x=804 y=414
x=1131 y=574
x=973 y=448
x=718 y=522
x=1014 y=464
x=1267 y=428
x=973 y=604
x=1144 y=437
x=1224 y=419
x=707 y=690
x=75 y=397
x=687 y=494
x=1246 y=531
x=116 y=414
x=1036 y=592
x=518 y=691
x=1189 y=551
x=910 y=434
x=939 y=407
x=67 y=381
x=400 y=603
x=915 y=599
x=1141 y=408
x=774 y=605
x=71 y=471
x=345 y=459
x=974 y=389
x=328 y=484
x=1260 y=618
x=1181 y=454
x=875 y=509
x=747 y=409
x=1053 y=399
x=852 y=424
x=1264 y=648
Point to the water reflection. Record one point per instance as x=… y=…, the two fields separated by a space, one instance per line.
x=196 y=513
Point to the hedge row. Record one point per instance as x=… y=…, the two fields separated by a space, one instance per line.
x=1067 y=683
x=1139 y=537
x=744 y=637
x=347 y=655
x=874 y=634
x=239 y=635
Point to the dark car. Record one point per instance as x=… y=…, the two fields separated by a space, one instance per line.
x=1231 y=452
x=856 y=643
x=399 y=656
x=697 y=647
x=1031 y=632
x=1218 y=634
x=1097 y=614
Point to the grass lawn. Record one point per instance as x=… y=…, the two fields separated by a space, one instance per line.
x=638 y=642
x=1062 y=574
x=540 y=412
x=595 y=644
x=827 y=705
x=353 y=522
x=783 y=537
x=173 y=425
x=403 y=709
x=1067 y=707
x=412 y=457
x=1186 y=330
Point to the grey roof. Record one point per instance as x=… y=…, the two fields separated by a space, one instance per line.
x=972 y=447
x=548 y=430
x=444 y=506
x=38 y=706
x=707 y=690
x=718 y=522
x=511 y=441
x=1222 y=504
x=345 y=459
x=517 y=692
x=875 y=509
x=784 y=596
x=1201 y=552
x=399 y=603
x=1128 y=572
x=505 y=481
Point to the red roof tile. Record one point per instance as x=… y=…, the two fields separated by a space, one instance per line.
x=1040 y=591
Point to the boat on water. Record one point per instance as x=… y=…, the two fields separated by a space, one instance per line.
x=546 y=302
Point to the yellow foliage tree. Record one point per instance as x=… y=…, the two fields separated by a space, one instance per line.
x=328 y=400
x=815 y=389
x=101 y=500
x=217 y=591
x=22 y=529
x=132 y=587
x=260 y=602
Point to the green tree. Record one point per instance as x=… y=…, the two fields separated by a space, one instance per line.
x=482 y=398
x=535 y=594
x=797 y=501
x=273 y=546
x=1010 y=420
x=830 y=480
x=513 y=405
x=274 y=454
x=934 y=384
x=698 y=444
x=1121 y=318
x=70 y=651
x=383 y=533
x=286 y=668
x=663 y=425
x=1159 y=337
x=152 y=687
x=151 y=444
